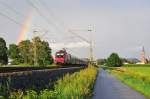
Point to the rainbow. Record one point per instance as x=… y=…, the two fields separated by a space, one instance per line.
x=25 y=28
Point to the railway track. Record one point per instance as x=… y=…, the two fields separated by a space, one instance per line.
x=27 y=77
x=18 y=69
x=12 y=71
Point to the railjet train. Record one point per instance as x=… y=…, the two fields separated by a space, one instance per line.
x=62 y=57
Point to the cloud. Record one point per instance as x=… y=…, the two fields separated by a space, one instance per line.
x=135 y=49
x=69 y=45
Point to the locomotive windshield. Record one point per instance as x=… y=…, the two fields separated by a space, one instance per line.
x=60 y=55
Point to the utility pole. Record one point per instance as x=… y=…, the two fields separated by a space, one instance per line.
x=90 y=42
x=35 y=45
x=90 y=49
x=35 y=48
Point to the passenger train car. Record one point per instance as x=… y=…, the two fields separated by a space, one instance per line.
x=62 y=57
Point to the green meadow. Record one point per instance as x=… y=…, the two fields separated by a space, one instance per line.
x=135 y=76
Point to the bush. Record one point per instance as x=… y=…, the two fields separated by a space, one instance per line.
x=114 y=60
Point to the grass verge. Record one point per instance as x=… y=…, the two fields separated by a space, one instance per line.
x=134 y=81
x=72 y=86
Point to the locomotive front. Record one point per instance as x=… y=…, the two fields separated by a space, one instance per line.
x=60 y=57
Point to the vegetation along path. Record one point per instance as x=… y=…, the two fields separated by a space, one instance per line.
x=108 y=87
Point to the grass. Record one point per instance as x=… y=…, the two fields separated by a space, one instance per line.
x=19 y=65
x=72 y=86
x=136 y=65
x=137 y=77
x=26 y=65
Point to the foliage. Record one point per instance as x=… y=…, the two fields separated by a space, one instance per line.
x=24 y=52
x=114 y=60
x=31 y=95
x=130 y=60
x=101 y=61
x=4 y=87
x=13 y=53
x=16 y=95
x=43 y=52
x=124 y=60
x=137 y=65
x=3 y=52
x=137 y=77
x=77 y=85
x=148 y=61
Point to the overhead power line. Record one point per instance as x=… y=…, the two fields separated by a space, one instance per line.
x=50 y=13
x=12 y=9
x=41 y=14
x=48 y=10
x=60 y=23
x=82 y=38
x=11 y=19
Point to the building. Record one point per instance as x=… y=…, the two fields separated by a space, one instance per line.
x=143 y=58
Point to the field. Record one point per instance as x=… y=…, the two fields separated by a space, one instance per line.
x=136 y=76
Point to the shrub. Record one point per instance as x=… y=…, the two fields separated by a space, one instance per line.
x=114 y=60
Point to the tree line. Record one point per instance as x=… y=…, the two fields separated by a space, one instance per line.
x=25 y=51
x=115 y=61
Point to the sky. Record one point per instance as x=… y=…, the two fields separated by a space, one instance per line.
x=120 y=26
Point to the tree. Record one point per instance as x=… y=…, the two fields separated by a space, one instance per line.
x=14 y=54
x=25 y=50
x=114 y=60
x=124 y=60
x=148 y=61
x=43 y=52
x=101 y=61
x=3 y=52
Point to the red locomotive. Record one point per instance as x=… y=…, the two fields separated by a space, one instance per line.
x=62 y=57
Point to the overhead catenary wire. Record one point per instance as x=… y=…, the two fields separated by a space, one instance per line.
x=61 y=24
x=79 y=36
x=15 y=11
x=51 y=14
x=48 y=12
x=21 y=15
x=56 y=21
x=11 y=9
x=11 y=19
x=42 y=15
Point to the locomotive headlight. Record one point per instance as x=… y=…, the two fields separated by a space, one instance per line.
x=61 y=54
x=58 y=54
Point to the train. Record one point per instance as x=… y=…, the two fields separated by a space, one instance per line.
x=62 y=57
